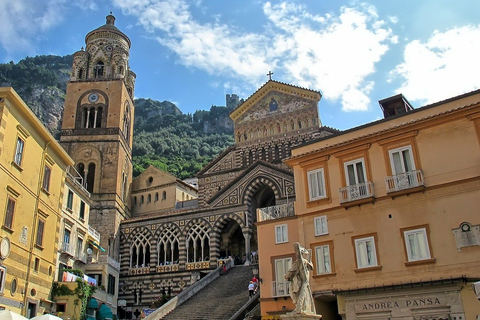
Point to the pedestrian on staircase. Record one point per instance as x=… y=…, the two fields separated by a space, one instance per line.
x=251 y=289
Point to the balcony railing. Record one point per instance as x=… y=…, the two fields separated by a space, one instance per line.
x=68 y=249
x=275 y=212
x=93 y=233
x=81 y=256
x=356 y=192
x=403 y=181
x=109 y=260
x=280 y=288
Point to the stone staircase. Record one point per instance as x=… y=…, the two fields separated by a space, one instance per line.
x=219 y=300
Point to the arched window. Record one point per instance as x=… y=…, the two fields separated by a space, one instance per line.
x=168 y=252
x=156 y=196
x=124 y=186
x=80 y=73
x=81 y=172
x=120 y=70
x=135 y=200
x=183 y=196
x=90 y=177
x=142 y=199
x=250 y=157
x=198 y=244
x=140 y=251
x=99 y=69
x=92 y=117
x=164 y=195
x=126 y=121
x=149 y=198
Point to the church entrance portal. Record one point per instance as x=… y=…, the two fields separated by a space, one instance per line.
x=232 y=242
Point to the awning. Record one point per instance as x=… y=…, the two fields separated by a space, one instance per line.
x=98 y=246
x=104 y=312
x=92 y=304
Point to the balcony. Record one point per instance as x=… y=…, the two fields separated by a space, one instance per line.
x=405 y=183
x=67 y=249
x=357 y=194
x=280 y=288
x=94 y=234
x=81 y=256
x=109 y=260
x=275 y=212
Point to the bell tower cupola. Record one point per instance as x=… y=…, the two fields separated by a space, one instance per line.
x=97 y=126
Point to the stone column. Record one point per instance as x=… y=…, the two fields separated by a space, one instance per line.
x=247 y=236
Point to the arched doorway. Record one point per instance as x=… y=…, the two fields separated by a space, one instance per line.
x=263 y=197
x=232 y=241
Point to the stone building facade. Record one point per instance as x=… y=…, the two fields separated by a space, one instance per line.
x=166 y=251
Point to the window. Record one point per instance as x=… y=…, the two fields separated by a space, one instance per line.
x=416 y=243
x=111 y=284
x=9 y=214
x=149 y=198
x=40 y=228
x=281 y=233
x=3 y=275
x=66 y=236
x=401 y=160
x=316 y=184
x=36 y=265
x=19 y=151
x=70 y=200
x=366 y=252
x=46 y=178
x=321 y=227
x=355 y=172
x=323 y=259
x=82 y=210
x=281 y=286
x=164 y=195
x=79 y=246
x=156 y=196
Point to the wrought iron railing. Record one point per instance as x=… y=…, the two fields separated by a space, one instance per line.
x=403 y=181
x=356 y=192
x=275 y=212
x=67 y=248
x=280 y=288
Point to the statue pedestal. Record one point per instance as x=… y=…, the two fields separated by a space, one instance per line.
x=300 y=316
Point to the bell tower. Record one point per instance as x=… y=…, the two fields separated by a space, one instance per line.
x=97 y=127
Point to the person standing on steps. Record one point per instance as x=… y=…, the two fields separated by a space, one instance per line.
x=251 y=288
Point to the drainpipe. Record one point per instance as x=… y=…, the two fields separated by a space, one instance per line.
x=35 y=218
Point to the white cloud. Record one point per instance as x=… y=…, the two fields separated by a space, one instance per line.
x=445 y=65
x=334 y=54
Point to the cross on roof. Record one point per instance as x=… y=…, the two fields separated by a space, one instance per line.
x=270 y=74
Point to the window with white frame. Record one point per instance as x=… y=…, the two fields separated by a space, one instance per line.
x=323 y=259
x=401 y=160
x=280 y=286
x=316 y=184
x=355 y=172
x=416 y=243
x=365 y=252
x=281 y=233
x=321 y=226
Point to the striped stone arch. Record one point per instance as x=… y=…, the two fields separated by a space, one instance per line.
x=255 y=185
x=160 y=229
x=143 y=229
x=220 y=223
x=159 y=241
x=217 y=230
x=195 y=221
x=141 y=247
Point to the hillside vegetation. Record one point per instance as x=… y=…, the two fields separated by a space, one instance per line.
x=180 y=144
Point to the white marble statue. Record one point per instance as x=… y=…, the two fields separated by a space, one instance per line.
x=299 y=275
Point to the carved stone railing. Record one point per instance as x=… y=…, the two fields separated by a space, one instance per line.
x=142 y=270
x=356 y=192
x=168 y=268
x=93 y=233
x=403 y=181
x=198 y=265
x=275 y=212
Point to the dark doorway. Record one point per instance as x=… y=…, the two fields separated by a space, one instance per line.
x=232 y=241
x=264 y=197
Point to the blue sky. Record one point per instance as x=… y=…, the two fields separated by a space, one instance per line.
x=192 y=53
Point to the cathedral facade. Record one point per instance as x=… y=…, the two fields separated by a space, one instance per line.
x=165 y=251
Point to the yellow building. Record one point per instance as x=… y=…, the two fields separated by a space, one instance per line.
x=155 y=191
x=389 y=210
x=33 y=168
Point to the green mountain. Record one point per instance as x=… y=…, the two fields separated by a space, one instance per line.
x=181 y=144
